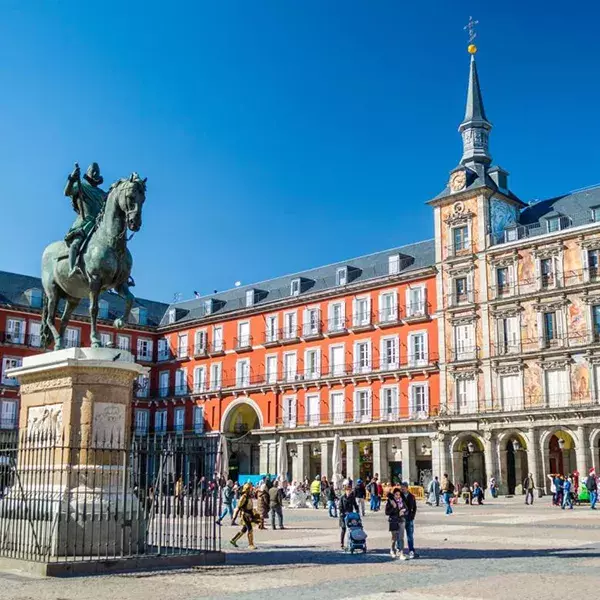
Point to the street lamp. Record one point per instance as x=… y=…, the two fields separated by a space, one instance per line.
x=516 y=445
x=561 y=443
x=293 y=452
x=471 y=447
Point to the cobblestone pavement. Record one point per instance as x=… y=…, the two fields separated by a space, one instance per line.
x=496 y=551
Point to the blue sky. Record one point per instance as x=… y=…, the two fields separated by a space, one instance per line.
x=280 y=135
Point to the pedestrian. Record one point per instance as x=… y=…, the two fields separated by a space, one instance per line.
x=477 y=494
x=434 y=492
x=331 y=501
x=559 y=485
x=395 y=509
x=374 y=493
x=315 y=491
x=347 y=505
x=276 y=504
x=263 y=503
x=324 y=489
x=227 y=497
x=360 y=493
x=529 y=487
x=566 y=490
x=493 y=488
x=591 y=484
x=409 y=520
x=447 y=491
x=245 y=510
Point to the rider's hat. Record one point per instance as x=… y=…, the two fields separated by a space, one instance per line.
x=93 y=174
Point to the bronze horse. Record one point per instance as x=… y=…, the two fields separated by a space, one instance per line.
x=106 y=263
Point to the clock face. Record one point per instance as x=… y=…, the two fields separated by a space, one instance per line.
x=458 y=180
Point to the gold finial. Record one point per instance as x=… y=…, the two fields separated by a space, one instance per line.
x=470 y=28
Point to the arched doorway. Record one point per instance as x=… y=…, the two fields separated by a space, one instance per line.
x=472 y=462
x=239 y=422
x=561 y=453
x=516 y=466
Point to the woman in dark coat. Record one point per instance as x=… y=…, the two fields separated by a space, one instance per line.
x=263 y=504
x=395 y=510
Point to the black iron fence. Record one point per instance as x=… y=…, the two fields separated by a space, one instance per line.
x=107 y=499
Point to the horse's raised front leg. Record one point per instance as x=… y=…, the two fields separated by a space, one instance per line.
x=94 y=295
x=70 y=305
x=52 y=294
x=124 y=292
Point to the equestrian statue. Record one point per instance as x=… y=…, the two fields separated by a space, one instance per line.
x=93 y=257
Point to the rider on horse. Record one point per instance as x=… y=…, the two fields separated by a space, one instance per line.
x=88 y=202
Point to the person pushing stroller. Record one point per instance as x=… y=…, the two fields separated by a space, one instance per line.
x=347 y=504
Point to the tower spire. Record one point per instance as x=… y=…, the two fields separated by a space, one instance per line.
x=475 y=127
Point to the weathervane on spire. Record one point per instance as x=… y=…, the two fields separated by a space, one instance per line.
x=470 y=28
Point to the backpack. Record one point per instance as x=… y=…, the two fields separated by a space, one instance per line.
x=450 y=487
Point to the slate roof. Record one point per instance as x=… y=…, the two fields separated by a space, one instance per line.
x=13 y=287
x=412 y=257
x=574 y=209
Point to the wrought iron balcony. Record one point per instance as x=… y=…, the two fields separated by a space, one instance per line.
x=312 y=331
x=388 y=317
x=200 y=350
x=362 y=321
x=289 y=335
x=216 y=348
x=467 y=353
x=243 y=343
x=417 y=311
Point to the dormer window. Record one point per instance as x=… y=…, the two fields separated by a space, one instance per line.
x=553 y=224
x=394 y=264
x=140 y=315
x=341 y=276
x=250 y=297
x=171 y=316
x=595 y=213
x=103 y=309
x=34 y=297
x=208 y=306
x=295 y=287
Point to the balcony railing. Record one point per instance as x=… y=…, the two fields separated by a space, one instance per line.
x=387 y=317
x=288 y=335
x=460 y=298
x=10 y=423
x=417 y=310
x=337 y=326
x=243 y=342
x=200 y=350
x=357 y=416
x=272 y=338
x=362 y=320
x=465 y=247
x=144 y=356
x=312 y=330
x=18 y=339
x=465 y=353
x=216 y=348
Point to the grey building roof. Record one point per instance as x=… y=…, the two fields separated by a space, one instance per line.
x=13 y=288
x=412 y=257
x=572 y=210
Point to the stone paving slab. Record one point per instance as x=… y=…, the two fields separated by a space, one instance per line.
x=496 y=551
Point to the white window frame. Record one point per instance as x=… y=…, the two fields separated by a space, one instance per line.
x=388 y=314
x=103 y=309
x=419 y=310
x=106 y=339
x=200 y=341
x=217 y=344
x=415 y=411
x=364 y=414
x=467 y=239
x=335 y=369
x=391 y=413
x=72 y=337
x=171 y=316
x=143 y=386
x=182 y=345
x=467 y=405
x=179 y=419
x=363 y=364
x=337 y=417
x=270 y=374
x=295 y=287
x=312 y=420
x=309 y=326
x=10 y=362
x=242 y=378
x=413 y=360
x=198 y=419
x=34 y=339
x=181 y=387
x=120 y=345
x=160 y=421
x=464 y=350
x=163 y=390
x=215 y=383
x=200 y=380
x=244 y=339
x=315 y=372
x=386 y=365
x=20 y=325
x=361 y=318
x=289 y=410
x=147 y=354
x=336 y=324
x=141 y=421
x=515 y=402
x=290 y=374
x=272 y=328
x=341 y=276
x=557 y=399
x=290 y=331
x=393 y=264
x=250 y=296
x=8 y=414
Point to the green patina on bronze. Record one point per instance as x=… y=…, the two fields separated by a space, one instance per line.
x=93 y=257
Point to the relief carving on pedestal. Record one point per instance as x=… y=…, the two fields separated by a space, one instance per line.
x=44 y=422
x=108 y=427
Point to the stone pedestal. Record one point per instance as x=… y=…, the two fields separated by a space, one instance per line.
x=75 y=493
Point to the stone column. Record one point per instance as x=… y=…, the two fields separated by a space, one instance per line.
x=533 y=464
x=380 y=458
x=490 y=463
x=439 y=455
x=352 y=460
x=457 y=474
x=326 y=460
x=408 y=468
x=581 y=450
x=268 y=457
x=300 y=463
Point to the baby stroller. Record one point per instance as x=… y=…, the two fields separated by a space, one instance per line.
x=357 y=537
